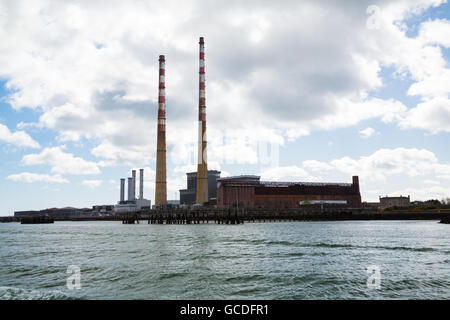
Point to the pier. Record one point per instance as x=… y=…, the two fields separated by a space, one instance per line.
x=196 y=217
x=131 y=218
x=37 y=220
x=445 y=220
x=235 y=216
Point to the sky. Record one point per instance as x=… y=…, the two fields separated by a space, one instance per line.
x=295 y=91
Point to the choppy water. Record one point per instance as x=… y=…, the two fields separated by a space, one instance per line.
x=290 y=260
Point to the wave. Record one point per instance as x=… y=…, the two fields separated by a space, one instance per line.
x=245 y=278
x=267 y=242
x=332 y=245
x=247 y=292
x=165 y=276
x=14 y=293
x=337 y=245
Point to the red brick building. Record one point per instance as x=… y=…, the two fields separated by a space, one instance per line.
x=250 y=192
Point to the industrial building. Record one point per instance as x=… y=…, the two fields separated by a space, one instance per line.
x=132 y=204
x=189 y=196
x=249 y=192
x=389 y=202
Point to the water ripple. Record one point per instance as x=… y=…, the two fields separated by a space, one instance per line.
x=320 y=260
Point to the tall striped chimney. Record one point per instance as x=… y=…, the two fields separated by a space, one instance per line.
x=202 y=167
x=161 y=183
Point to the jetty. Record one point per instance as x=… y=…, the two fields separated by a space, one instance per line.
x=37 y=220
x=236 y=216
x=233 y=216
x=445 y=220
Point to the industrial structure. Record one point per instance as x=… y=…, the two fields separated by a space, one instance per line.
x=249 y=192
x=161 y=175
x=132 y=204
x=133 y=185
x=188 y=196
x=206 y=188
x=202 y=166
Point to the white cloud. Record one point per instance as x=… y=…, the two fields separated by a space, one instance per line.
x=383 y=163
x=432 y=115
x=386 y=162
x=29 y=177
x=61 y=162
x=315 y=165
x=422 y=194
x=92 y=183
x=436 y=32
x=96 y=78
x=367 y=133
x=18 y=138
x=121 y=155
x=442 y=170
x=287 y=173
x=431 y=182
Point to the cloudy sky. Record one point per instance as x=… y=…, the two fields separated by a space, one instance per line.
x=296 y=91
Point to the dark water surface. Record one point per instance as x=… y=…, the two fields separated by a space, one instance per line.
x=288 y=260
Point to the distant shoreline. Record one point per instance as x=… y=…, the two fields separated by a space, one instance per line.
x=268 y=216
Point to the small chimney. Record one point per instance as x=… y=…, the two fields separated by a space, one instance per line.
x=130 y=189
x=122 y=190
x=133 y=176
x=141 y=184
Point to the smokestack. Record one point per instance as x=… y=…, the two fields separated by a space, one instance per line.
x=141 y=184
x=130 y=189
x=133 y=175
x=160 y=183
x=122 y=190
x=202 y=167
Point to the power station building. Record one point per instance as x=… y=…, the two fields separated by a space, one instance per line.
x=205 y=187
x=189 y=195
x=249 y=192
x=132 y=204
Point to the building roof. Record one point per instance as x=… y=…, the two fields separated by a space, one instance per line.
x=241 y=177
x=188 y=191
x=315 y=184
x=194 y=173
x=392 y=198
